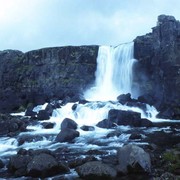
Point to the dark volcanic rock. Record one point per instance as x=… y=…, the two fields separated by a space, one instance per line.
x=1 y=164
x=39 y=163
x=39 y=75
x=96 y=170
x=43 y=115
x=87 y=128
x=135 y=136
x=18 y=163
x=68 y=123
x=124 y=98
x=133 y=159
x=105 y=124
x=48 y=125
x=158 y=66
x=67 y=135
x=11 y=125
x=44 y=165
x=121 y=117
x=126 y=118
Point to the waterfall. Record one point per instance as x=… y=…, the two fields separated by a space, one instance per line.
x=113 y=74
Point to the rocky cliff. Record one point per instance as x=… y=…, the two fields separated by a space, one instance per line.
x=157 y=72
x=40 y=75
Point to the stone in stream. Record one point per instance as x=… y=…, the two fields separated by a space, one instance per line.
x=87 y=128
x=1 y=164
x=35 y=163
x=96 y=170
x=67 y=135
x=126 y=118
x=68 y=123
x=133 y=159
x=43 y=115
x=45 y=165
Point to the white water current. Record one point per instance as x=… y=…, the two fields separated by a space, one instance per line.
x=113 y=77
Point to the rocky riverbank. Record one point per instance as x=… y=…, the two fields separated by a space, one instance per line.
x=126 y=152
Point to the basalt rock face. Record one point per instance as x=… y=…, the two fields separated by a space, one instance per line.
x=40 y=75
x=157 y=71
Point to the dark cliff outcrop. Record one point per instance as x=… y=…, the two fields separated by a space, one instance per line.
x=40 y=75
x=157 y=72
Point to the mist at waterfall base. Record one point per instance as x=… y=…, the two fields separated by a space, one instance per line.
x=113 y=77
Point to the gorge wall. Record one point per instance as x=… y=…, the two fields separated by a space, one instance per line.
x=157 y=72
x=40 y=75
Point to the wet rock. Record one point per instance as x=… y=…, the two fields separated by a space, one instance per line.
x=49 y=109
x=43 y=115
x=105 y=124
x=48 y=125
x=74 y=106
x=147 y=99
x=30 y=112
x=146 y=123
x=29 y=138
x=114 y=133
x=135 y=136
x=124 y=98
x=18 y=163
x=68 y=123
x=80 y=161
x=1 y=164
x=138 y=105
x=96 y=170
x=44 y=165
x=87 y=128
x=121 y=117
x=133 y=159
x=110 y=159
x=67 y=135
x=11 y=126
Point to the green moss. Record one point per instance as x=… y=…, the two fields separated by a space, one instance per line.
x=172 y=160
x=21 y=109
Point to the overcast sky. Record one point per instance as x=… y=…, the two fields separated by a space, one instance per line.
x=31 y=24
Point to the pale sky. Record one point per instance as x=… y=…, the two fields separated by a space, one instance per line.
x=32 y=24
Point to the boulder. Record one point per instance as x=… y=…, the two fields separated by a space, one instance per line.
x=124 y=98
x=126 y=118
x=133 y=159
x=146 y=123
x=49 y=109
x=87 y=128
x=135 y=136
x=29 y=138
x=96 y=170
x=11 y=126
x=67 y=135
x=30 y=112
x=45 y=165
x=68 y=123
x=47 y=125
x=105 y=124
x=43 y=115
x=18 y=163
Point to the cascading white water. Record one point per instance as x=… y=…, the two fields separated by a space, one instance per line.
x=113 y=74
